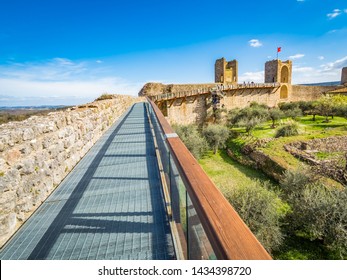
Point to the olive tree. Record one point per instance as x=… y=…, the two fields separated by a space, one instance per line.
x=193 y=139
x=318 y=211
x=216 y=136
x=262 y=210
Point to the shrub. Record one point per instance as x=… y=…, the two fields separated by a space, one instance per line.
x=254 y=104
x=291 y=110
x=249 y=123
x=219 y=115
x=262 y=210
x=216 y=136
x=318 y=212
x=193 y=140
x=104 y=97
x=289 y=129
x=288 y=106
x=232 y=116
x=248 y=117
x=275 y=114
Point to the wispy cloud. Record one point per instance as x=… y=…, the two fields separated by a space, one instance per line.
x=334 y=13
x=336 y=65
x=57 y=69
x=296 y=56
x=255 y=43
x=325 y=73
x=300 y=0
x=321 y=57
x=59 y=81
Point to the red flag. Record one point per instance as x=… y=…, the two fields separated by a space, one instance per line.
x=278 y=49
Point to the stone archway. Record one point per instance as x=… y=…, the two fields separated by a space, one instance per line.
x=284 y=92
x=284 y=74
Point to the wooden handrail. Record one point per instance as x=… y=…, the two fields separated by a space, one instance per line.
x=229 y=236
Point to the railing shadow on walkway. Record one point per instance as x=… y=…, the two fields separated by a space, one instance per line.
x=66 y=220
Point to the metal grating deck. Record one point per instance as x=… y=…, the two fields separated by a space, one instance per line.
x=109 y=207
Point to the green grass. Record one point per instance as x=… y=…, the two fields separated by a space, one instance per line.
x=227 y=173
x=325 y=155
x=308 y=128
x=317 y=128
x=299 y=248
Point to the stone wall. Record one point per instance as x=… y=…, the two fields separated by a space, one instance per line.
x=151 y=89
x=36 y=154
x=329 y=144
x=309 y=93
x=242 y=98
x=344 y=76
x=192 y=110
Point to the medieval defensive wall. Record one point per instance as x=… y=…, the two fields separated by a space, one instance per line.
x=188 y=103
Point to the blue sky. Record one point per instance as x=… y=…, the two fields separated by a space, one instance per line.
x=71 y=51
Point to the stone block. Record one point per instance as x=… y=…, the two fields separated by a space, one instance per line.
x=8 y=201
x=28 y=134
x=12 y=156
x=7 y=224
x=27 y=166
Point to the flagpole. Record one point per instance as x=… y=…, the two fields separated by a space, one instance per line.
x=278 y=50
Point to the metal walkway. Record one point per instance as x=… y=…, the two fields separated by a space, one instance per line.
x=109 y=207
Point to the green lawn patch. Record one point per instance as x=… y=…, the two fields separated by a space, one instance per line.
x=226 y=172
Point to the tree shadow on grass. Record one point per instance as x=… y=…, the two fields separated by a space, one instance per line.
x=246 y=170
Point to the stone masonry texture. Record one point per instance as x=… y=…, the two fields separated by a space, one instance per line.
x=36 y=154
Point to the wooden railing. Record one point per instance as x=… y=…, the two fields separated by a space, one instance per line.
x=228 y=235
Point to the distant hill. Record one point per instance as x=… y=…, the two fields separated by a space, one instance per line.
x=20 y=113
x=32 y=108
x=323 y=84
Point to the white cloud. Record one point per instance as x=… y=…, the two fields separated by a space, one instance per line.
x=300 y=0
x=334 y=13
x=325 y=73
x=257 y=77
x=57 y=69
x=336 y=65
x=59 y=81
x=255 y=43
x=296 y=56
x=321 y=57
x=99 y=61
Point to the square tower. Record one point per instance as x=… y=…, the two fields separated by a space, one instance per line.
x=277 y=71
x=226 y=71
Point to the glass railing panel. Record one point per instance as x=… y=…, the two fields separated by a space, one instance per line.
x=179 y=208
x=190 y=235
x=199 y=247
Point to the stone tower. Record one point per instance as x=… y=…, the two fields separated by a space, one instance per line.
x=277 y=71
x=344 y=76
x=226 y=71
